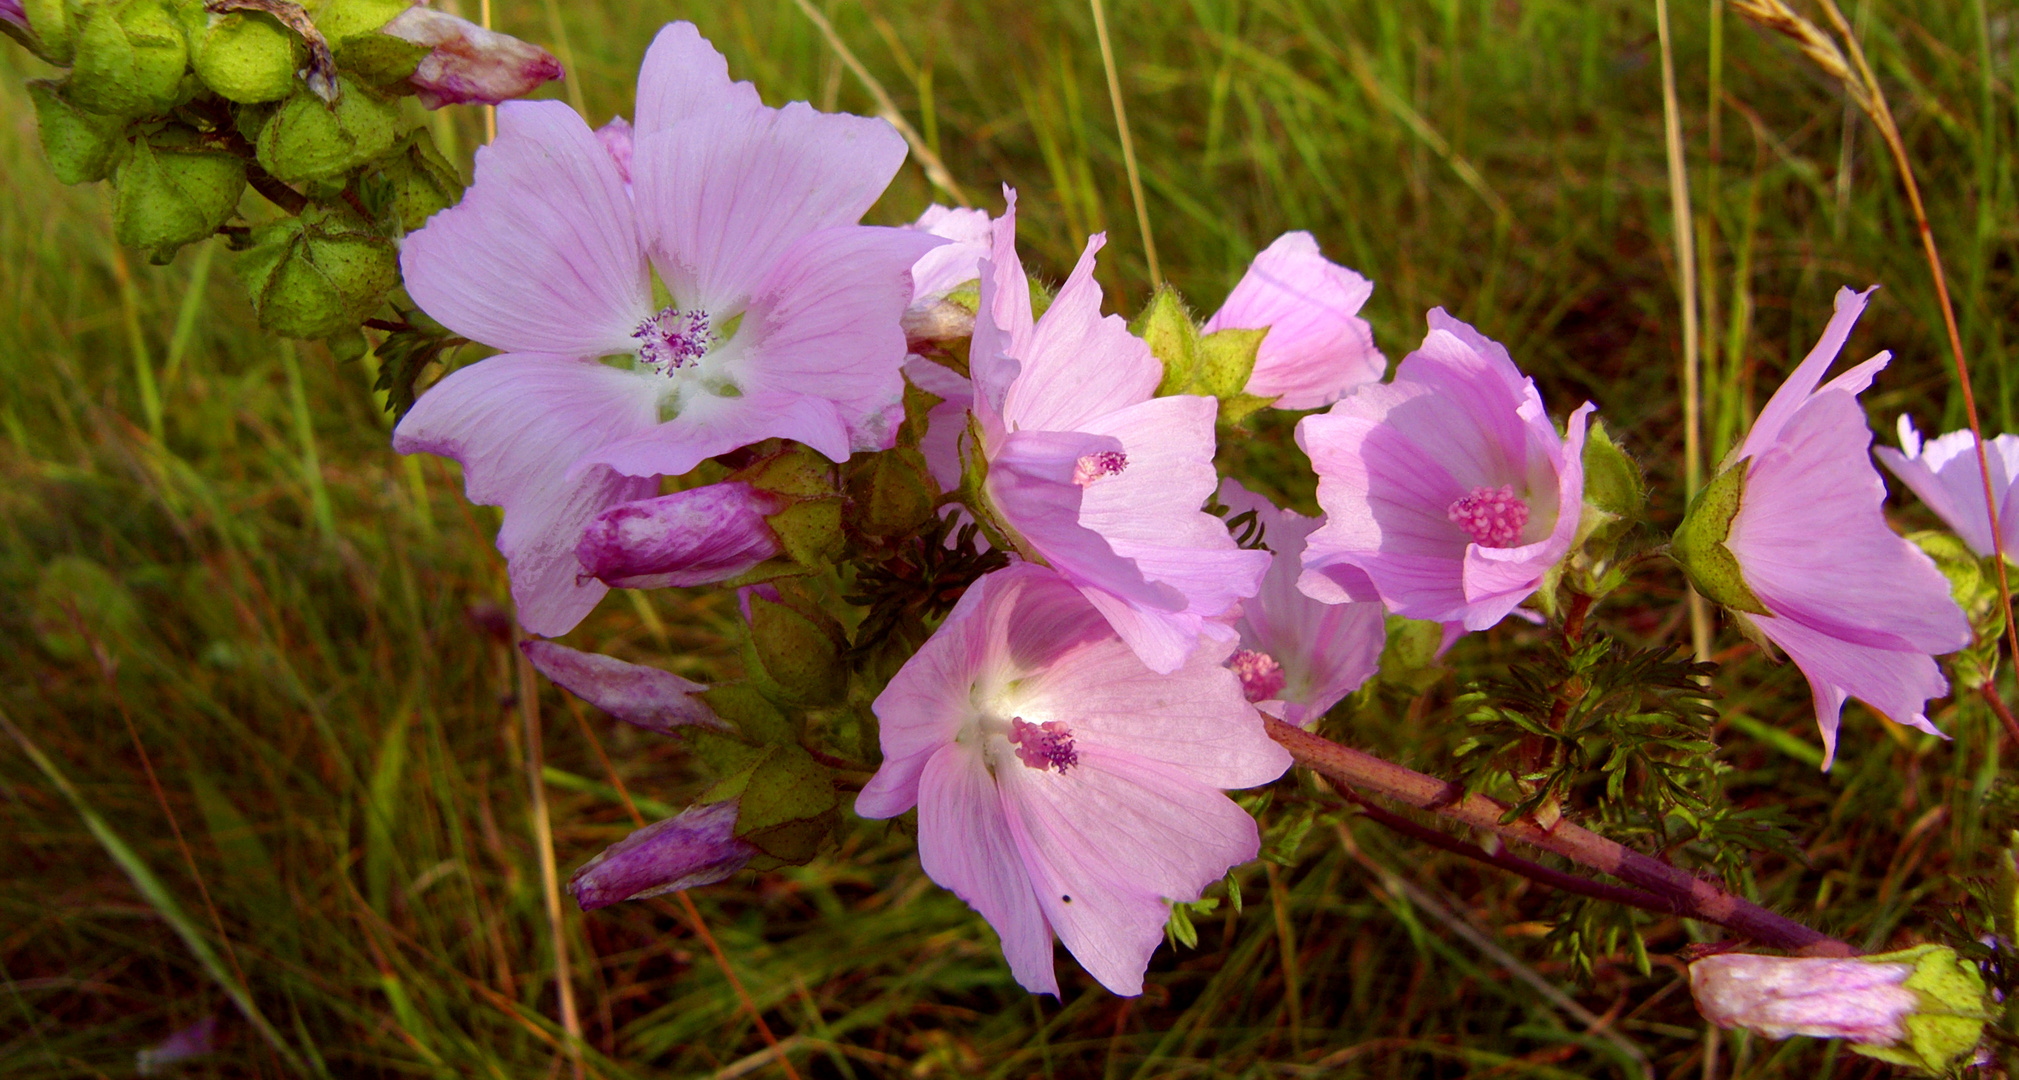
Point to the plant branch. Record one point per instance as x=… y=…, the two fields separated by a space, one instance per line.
x=2000 y=709
x=1678 y=891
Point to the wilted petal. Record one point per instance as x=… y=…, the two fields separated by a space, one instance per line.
x=1318 y=347
x=695 y=537
x=1779 y=996
x=646 y=696
x=469 y=64
x=695 y=847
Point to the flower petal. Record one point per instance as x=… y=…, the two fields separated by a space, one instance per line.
x=684 y=74
x=1895 y=683
x=1318 y=347
x=964 y=844
x=1031 y=484
x=1806 y=377
x=1079 y=365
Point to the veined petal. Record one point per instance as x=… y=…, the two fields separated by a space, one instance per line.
x=708 y=425
x=1031 y=485
x=964 y=844
x=1896 y=684
x=1945 y=475
x=518 y=424
x=1004 y=324
x=541 y=255
x=945 y=269
x=1806 y=377
x=683 y=74
x=1318 y=347
x=1079 y=365
x=646 y=696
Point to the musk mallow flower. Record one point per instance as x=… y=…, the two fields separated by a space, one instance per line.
x=1791 y=535
x=467 y=64
x=943 y=270
x=1448 y=493
x=1318 y=348
x=1945 y=474
x=782 y=319
x=1062 y=786
x=1092 y=474
x=1298 y=656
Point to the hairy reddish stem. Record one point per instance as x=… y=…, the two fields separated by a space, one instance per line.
x=1673 y=891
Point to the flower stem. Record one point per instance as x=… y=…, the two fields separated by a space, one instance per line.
x=1677 y=891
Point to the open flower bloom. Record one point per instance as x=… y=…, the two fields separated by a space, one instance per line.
x=1318 y=347
x=1092 y=473
x=1859 y=609
x=783 y=320
x=1298 y=656
x=468 y=64
x=1945 y=474
x=1062 y=787
x=1448 y=493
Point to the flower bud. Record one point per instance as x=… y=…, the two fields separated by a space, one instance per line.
x=309 y=139
x=1698 y=545
x=10 y=11
x=646 y=696
x=891 y=494
x=793 y=651
x=344 y=21
x=248 y=57
x=467 y=63
x=170 y=191
x=694 y=537
x=129 y=60
x=80 y=145
x=413 y=183
x=50 y=24
x=1922 y=1007
x=696 y=847
x=318 y=274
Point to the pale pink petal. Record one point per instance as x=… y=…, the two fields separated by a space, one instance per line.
x=1945 y=474
x=964 y=844
x=1004 y=324
x=1318 y=347
x=945 y=422
x=683 y=74
x=646 y=696
x=925 y=705
x=1896 y=684
x=541 y=255
x=725 y=192
x=617 y=139
x=1031 y=484
x=1079 y=365
x=945 y=269
x=1806 y=377
x=518 y=424
x=708 y=426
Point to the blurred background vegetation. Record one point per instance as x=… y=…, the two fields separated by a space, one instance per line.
x=207 y=549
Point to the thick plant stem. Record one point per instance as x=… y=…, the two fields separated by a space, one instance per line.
x=1677 y=891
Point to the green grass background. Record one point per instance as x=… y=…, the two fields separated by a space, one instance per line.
x=205 y=540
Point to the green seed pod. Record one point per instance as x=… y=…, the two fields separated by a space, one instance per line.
x=130 y=59
x=793 y=652
x=80 y=145
x=171 y=192
x=342 y=20
x=415 y=183
x=308 y=140
x=248 y=57
x=318 y=275
x=54 y=29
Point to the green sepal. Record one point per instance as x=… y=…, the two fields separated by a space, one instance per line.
x=309 y=140
x=249 y=57
x=809 y=526
x=168 y=195
x=379 y=59
x=1226 y=360
x=890 y=494
x=1409 y=656
x=1973 y=585
x=341 y=20
x=130 y=59
x=1614 y=485
x=348 y=346
x=785 y=804
x=1698 y=545
x=81 y=146
x=54 y=29
x=753 y=714
x=723 y=754
x=319 y=274
x=1167 y=328
x=794 y=652
x=411 y=184
x=810 y=531
x=1944 y=1031
x=797 y=471
x=918 y=406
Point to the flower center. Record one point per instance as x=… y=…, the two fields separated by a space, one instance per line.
x=674 y=339
x=1493 y=517
x=1043 y=746
x=1261 y=676
x=1094 y=466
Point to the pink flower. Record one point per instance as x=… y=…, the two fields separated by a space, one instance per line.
x=1063 y=787
x=469 y=64
x=1318 y=347
x=1298 y=656
x=1945 y=475
x=1448 y=493
x=1779 y=996
x=1856 y=607
x=783 y=321
x=1095 y=475
x=945 y=269
x=695 y=537
x=617 y=138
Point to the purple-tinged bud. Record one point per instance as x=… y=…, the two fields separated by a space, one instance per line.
x=695 y=537
x=1779 y=996
x=646 y=696
x=194 y=1041
x=11 y=11
x=469 y=64
x=696 y=847
x=616 y=138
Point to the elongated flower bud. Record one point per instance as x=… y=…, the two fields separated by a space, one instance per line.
x=696 y=847
x=11 y=11
x=695 y=537
x=469 y=64
x=648 y=697
x=1922 y=1007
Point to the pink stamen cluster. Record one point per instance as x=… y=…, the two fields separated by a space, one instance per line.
x=1042 y=746
x=1094 y=466
x=1493 y=517
x=1261 y=676
x=673 y=339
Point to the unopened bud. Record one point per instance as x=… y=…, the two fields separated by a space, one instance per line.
x=248 y=56
x=1922 y=1007
x=318 y=274
x=171 y=191
x=467 y=63
x=695 y=537
x=616 y=138
x=309 y=139
x=416 y=183
x=646 y=696
x=129 y=60
x=80 y=145
x=49 y=23
x=793 y=651
x=890 y=493
x=696 y=847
